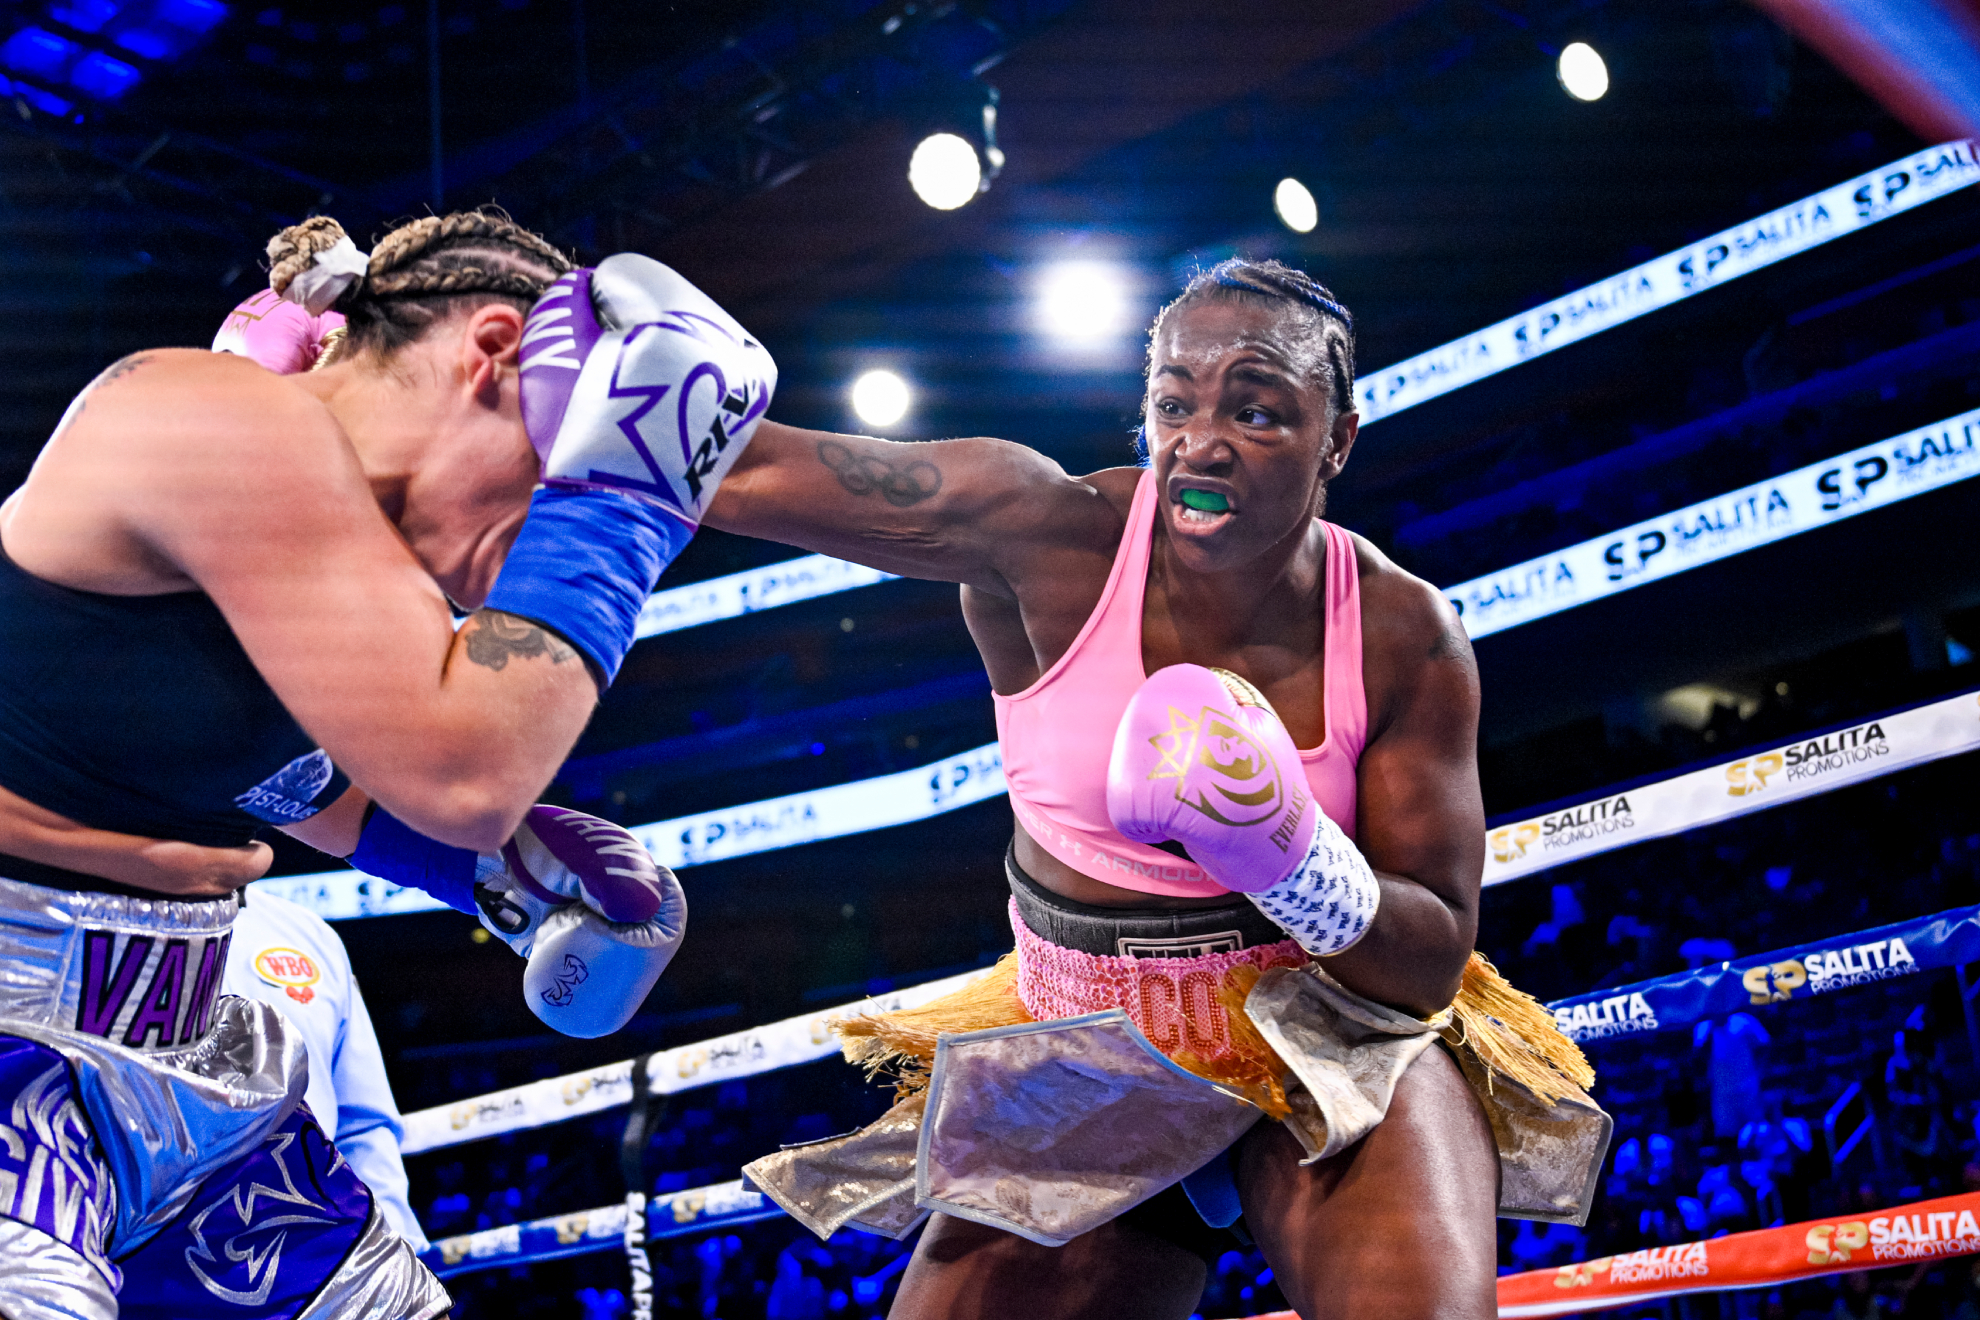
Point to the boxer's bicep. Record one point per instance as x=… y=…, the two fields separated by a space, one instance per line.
x=267 y=511
x=1422 y=814
x=938 y=509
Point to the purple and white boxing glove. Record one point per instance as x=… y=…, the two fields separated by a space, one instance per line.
x=639 y=393
x=1201 y=758
x=595 y=916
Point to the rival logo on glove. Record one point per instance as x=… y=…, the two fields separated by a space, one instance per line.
x=575 y=974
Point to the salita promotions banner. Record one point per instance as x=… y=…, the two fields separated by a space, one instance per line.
x=750 y=1053
x=1739 y=520
x=1907 y=1234
x=1813 y=763
x=1924 y=1231
x=1820 y=967
x=668 y=1215
x=1706 y=264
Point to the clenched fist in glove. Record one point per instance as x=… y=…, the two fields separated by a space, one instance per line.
x=593 y=913
x=277 y=333
x=596 y=917
x=639 y=393
x=1201 y=758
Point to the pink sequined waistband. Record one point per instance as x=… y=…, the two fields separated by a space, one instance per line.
x=1173 y=1000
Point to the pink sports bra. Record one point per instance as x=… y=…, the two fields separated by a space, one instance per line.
x=1058 y=734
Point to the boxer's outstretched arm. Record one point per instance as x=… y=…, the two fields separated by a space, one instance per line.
x=952 y=510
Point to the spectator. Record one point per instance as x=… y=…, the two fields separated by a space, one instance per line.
x=1734 y=1067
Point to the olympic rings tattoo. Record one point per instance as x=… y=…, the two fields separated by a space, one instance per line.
x=863 y=474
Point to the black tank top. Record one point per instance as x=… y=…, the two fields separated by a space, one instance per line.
x=143 y=714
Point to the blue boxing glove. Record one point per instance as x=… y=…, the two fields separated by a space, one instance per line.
x=639 y=393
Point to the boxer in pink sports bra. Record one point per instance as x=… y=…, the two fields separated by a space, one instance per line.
x=1077 y=588
x=1057 y=733
x=1077 y=591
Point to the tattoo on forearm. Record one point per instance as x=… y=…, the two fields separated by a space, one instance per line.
x=494 y=638
x=123 y=366
x=900 y=484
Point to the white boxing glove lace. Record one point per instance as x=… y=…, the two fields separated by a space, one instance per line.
x=1329 y=901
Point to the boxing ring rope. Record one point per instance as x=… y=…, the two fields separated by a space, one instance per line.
x=1586 y=825
x=1920 y=1231
x=1666 y=1003
x=1845 y=208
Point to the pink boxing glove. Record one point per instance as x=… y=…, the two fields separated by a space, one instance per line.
x=278 y=334
x=1201 y=758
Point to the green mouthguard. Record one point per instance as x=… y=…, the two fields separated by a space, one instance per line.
x=1208 y=501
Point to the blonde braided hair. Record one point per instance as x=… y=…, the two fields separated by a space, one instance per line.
x=424 y=272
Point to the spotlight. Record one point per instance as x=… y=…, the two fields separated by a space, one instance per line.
x=1582 y=72
x=944 y=171
x=1082 y=301
x=880 y=398
x=1295 y=206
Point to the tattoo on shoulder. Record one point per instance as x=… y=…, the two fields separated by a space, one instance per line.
x=494 y=638
x=900 y=484
x=1450 y=645
x=123 y=366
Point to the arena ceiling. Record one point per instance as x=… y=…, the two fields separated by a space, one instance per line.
x=762 y=148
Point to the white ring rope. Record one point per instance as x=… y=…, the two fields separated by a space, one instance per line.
x=1847 y=207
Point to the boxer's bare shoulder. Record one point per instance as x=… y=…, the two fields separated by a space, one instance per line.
x=1408 y=628
x=169 y=449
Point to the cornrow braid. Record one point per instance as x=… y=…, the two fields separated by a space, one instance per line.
x=424 y=272
x=1240 y=279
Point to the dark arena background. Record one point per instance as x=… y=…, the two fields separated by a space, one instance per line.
x=1669 y=336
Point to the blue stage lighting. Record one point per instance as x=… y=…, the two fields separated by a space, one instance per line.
x=189 y=15
x=171 y=28
x=46 y=102
x=150 y=43
x=84 y=15
x=37 y=51
x=102 y=77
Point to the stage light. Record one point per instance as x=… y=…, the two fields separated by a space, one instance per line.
x=1582 y=72
x=880 y=398
x=1082 y=301
x=944 y=171
x=1295 y=206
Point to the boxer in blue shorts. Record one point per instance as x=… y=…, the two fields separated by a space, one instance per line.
x=224 y=605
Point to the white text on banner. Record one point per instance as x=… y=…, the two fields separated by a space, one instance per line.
x=1748 y=783
x=784 y=1044
x=828 y=813
x=744 y=593
x=1739 y=520
x=712 y=836
x=1706 y=264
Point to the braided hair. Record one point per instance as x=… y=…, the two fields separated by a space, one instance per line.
x=423 y=272
x=1239 y=280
